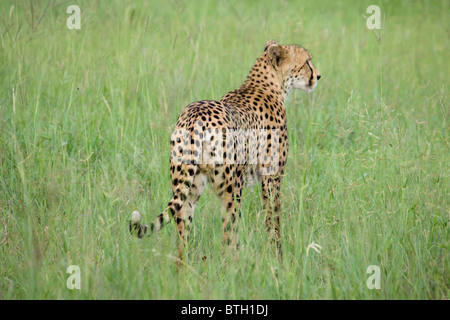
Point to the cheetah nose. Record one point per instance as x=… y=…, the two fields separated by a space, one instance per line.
x=319 y=76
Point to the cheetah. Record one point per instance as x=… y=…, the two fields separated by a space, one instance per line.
x=233 y=143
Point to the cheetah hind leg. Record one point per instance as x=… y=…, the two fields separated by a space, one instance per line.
x=187 y=191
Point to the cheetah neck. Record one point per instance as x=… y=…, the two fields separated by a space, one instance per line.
x=263 y=77
x=263 y=89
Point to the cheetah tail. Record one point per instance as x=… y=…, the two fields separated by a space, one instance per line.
x=141 y=230
x=173 y=208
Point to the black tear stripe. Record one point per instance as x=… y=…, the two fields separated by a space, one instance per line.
x=312 y=73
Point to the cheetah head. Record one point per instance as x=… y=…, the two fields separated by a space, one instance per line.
x=293 y=66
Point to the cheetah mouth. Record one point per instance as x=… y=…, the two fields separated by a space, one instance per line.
x=311 y=86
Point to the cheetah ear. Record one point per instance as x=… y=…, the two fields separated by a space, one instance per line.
x=269 y=43
x=276 y=53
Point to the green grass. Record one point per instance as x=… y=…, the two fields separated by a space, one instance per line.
x=85 y=122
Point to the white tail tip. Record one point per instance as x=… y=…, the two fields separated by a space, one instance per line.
x=135 y=217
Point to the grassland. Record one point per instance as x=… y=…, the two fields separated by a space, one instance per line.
x=85 y=122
